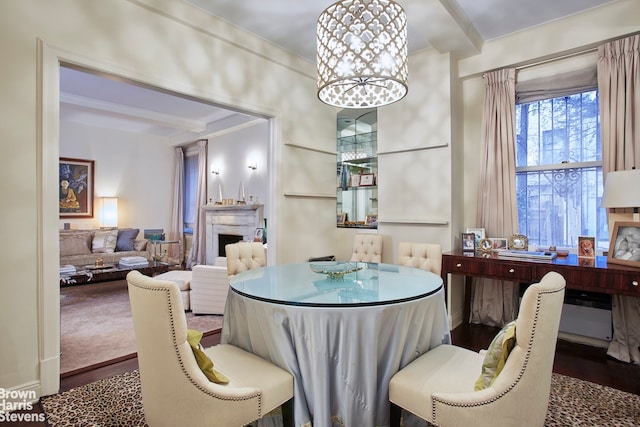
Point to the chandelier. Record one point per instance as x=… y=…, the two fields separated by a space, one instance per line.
x=362 y=53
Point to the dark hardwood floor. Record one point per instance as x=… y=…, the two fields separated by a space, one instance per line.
x=575 y=360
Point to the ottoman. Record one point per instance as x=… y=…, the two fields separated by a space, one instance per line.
x=182 y=278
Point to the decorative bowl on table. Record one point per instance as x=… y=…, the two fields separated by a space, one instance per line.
x=334 y=270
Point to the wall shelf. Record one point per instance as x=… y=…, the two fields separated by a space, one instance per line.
x=414 y=221
x=412 y=149
x=305 y=147
x=309 y=195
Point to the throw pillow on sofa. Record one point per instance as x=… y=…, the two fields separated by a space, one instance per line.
x=75 y=243
x=126 y=239
x=104 y=241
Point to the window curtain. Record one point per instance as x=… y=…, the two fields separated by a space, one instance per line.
x=618 y=83
x=176 y=232
x=197 y=253
x=494 y=302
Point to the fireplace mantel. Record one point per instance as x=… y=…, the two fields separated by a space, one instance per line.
x=236 y=220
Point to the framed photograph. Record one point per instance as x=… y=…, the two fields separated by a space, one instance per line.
x=624 y=247
x=468 y=242
x=354 y=180
x=519 y=242
x=371 y=220
x=479 y=233
x=367 y=179
x=586 y=246
x=258 y=236
x=499 y=243
x=76 y=188
x=341 y=218
x=486 y=245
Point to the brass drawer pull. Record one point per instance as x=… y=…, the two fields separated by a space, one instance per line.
x=634 y=283
x=511 y=270
x=458 y=265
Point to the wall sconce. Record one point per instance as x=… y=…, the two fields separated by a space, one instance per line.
x=253 y=165
x=108 y=212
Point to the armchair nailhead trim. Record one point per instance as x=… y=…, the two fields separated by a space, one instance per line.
x=181 y=362
x=520 y=374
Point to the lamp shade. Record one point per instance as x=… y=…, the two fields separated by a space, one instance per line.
x=362 y=53
x=622 y=189
x=109 y=211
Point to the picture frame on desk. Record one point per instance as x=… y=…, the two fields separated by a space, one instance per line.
x=499 y=243
x=519 y=242
x=586 y=247
x=468 y=242
x=624 y=247
x=341 y=218
x=479 y=233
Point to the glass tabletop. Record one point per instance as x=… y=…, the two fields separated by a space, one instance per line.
x=363 y=284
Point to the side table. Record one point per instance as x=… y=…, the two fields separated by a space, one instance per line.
x=157 y=245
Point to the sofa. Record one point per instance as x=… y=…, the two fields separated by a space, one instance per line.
x=84 y=247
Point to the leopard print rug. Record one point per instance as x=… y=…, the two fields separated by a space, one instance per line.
x=116 y=401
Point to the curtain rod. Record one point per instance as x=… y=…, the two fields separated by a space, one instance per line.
x=557 y=58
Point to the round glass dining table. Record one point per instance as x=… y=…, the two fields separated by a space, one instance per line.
x=341 y=329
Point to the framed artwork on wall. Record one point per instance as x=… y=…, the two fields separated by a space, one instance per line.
x=624 y=247
x=76 y=188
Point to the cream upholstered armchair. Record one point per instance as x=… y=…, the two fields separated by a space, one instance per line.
x=427 y=256
x=439 y=385
x=367 y=248
x=175 y=391
x=243 y=256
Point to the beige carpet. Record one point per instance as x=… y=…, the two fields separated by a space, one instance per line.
x=116 y=401
x=96 y=324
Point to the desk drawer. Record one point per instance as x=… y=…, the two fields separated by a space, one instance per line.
x=628 y=283
x=511 y=271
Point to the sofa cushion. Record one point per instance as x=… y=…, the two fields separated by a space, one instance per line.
x=104 y=241
x=496 y=356
x=140 y=245
x=126 y=239
x=204 y=362
x=75 y=243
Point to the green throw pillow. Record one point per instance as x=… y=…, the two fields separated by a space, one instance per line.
x=497 y=355
x=204 y=362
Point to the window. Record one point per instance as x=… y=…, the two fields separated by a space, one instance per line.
x=190 y=189
x=559 y=170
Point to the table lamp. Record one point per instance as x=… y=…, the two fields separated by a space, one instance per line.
x=622 y=190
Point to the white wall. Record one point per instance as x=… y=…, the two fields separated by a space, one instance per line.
x=126 y=166
x=230 y=154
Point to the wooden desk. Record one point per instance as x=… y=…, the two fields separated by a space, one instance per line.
x=583 y=274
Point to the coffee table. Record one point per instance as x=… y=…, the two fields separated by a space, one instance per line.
x=91 y=274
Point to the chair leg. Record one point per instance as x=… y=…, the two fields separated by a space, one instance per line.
x=287 y=413
x=395 y=414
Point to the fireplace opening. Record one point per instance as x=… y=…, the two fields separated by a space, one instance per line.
x=225 y=239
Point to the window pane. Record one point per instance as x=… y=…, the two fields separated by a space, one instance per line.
x=190 y=183
x=559 y=170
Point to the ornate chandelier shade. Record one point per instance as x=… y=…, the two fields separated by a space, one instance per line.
x=362 y=53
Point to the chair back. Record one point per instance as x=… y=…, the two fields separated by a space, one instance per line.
x=525 y=381
x=426 y=256
x=367 y=248
x=174 y=389
x=243 y=256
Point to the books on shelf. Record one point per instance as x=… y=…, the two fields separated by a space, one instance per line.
x=513 y=254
